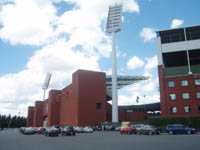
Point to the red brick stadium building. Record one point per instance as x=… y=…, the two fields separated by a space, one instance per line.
x=179 y=71
x=82 y=103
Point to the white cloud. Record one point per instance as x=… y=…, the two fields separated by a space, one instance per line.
x=151 y=63
x=134 y=63
x=148 y=34
x=147 y=90
x=28 y=22
x=25 y=86
x=74 y=40
x=176 y=23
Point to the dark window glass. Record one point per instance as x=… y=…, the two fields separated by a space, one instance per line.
x=99 y=105
x=172 y=36
x=193 y=33
x=194 y=57
x=199 y=108
x=175 y=59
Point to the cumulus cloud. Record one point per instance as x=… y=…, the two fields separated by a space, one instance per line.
x=148 y=34
x=134 y=63
x=27 y=22
x=176 y=23
x=147 y=90
x=74 y=40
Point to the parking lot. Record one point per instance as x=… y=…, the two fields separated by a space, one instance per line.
x=13 y=140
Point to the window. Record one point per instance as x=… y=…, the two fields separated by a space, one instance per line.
x=199 y=108
x=172 y=96
x=193 y=33
x=186 y=109
x=171 y=84
x=170 y=36
x=184 y=83
x=198 y=95
x=173 y=110
x=186 y=95
x=197 y=81
x=99 y=106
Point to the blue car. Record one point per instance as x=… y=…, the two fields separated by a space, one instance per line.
x=179 y=129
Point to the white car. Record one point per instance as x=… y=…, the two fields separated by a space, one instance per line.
x=88 y=130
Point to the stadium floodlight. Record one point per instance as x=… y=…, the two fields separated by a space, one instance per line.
x=113 y=25
x=46 y=83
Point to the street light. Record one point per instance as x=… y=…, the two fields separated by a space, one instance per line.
x=46 y=83
x=113 y=25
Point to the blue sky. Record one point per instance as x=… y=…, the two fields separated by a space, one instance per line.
x=61 y=36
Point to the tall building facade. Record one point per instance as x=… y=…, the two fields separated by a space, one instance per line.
x=82 y=103
x=179 y=71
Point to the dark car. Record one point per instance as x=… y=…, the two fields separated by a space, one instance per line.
x=67 y=130
x=179 y=129
x=148 y=129
x=52 y=131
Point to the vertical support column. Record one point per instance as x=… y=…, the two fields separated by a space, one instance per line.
x=44 y=95
x=114 y=81
x=188 y=58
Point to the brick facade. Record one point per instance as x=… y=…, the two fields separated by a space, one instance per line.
x=178 y=90
x=82 y=103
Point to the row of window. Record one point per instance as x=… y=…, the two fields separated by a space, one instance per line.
x=186 y=96
x=183 y=83
x=186 y=109
x=177 y=35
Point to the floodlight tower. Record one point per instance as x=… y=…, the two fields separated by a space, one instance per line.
x=113 y=25
x=46 y=83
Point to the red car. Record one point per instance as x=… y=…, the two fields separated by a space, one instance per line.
x=40 y=131
x=128 y=130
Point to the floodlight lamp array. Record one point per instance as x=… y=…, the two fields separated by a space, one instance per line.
x=114 y=18
x=46 y=81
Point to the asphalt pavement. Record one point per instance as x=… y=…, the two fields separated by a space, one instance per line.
x=13 y=140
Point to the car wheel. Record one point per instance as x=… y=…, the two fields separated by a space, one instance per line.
x=150 y=133
x=188 y=132
x=138 y=133
x=171 y=132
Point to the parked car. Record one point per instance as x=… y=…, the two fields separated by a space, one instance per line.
x=148 y=129
x=138 y=127
x=40 y=130
x=79 y=129
x=180 y=129
x=88 y=130
x=117 y=128
x=51 y=131
x=29 y=130
x=67 y=130
x=128 y=130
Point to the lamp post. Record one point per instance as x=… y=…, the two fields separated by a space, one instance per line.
x=113 y=26
x=46 y=84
